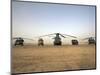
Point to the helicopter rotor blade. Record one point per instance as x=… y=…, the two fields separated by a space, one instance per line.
x=22 y=38
x=88 y=38
x=85 y=39
x=47 y=35
x=62 y=35
x=16 y=37
x=70 y=35
x=28 y=39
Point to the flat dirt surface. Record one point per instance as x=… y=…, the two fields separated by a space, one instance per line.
x=52 y=58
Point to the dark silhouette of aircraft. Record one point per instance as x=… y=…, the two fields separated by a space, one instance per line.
x=57 y=39
x=91 y=40
x=20 y=41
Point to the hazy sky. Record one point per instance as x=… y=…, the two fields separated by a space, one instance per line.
x=36 y=19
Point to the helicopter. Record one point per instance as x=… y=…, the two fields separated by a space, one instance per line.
x=91 y=40
x=20 y=41
x=74 y=42
x=40 y=42
x=57 y=39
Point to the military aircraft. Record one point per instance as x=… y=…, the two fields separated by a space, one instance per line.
x=20 y=41
x=57 y=39
x=91 y=40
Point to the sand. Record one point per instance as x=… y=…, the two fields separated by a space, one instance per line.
x=32 y=58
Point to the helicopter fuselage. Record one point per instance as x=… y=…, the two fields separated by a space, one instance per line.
x=40 y=42
x=57 y=40
x=19 y=42
x=74 y=42
x=91 y=41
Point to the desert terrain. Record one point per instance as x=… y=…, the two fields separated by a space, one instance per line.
x=30 y=58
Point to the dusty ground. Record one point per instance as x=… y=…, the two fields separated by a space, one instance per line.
x=52 y=58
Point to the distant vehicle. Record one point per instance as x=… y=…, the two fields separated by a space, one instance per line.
x=74 y=42
x=57 y=39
